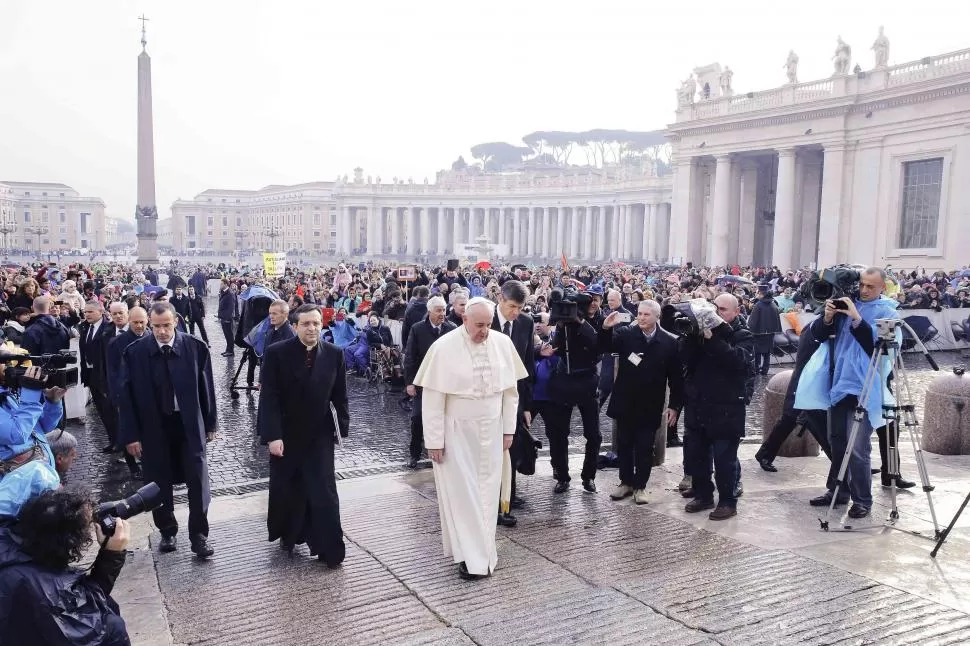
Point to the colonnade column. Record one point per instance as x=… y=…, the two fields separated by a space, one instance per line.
x=517 y=231
x=831 y=207
x=574 y=233
x=546 y=233
x=442 y=231
x=781 y=245
x=624 y=239
x=649 y=215
x=720 y=223
x=343 y=230
x=425 y=246
x=501 y=225
x=601 y=232
x=395 y=230
x=748 y=215
x=456 y=230
x=588 y=234
x=560 y=231
x=486 y=222
x=532 y=231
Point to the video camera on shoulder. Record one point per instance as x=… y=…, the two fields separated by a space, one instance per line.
x=54 y=369
x=567 y=305
x=833 y=283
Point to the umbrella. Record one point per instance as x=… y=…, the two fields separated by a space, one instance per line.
x=258 y=291
x=483 y=264
x=153 y=289
x=734 y=279
x=963 y=273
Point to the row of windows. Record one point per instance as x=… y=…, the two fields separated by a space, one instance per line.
x=44 y=194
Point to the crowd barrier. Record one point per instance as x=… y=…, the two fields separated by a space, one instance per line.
x=947 y=329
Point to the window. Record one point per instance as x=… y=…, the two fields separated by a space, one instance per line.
x=26 y=216
x=63 y=217
x=44 y=193
x=62 y=230
x=225 y=221
x=225 y=234
x=333 y=219
x=919 y=220
x=316 y=234
x=210 y=221
x=191 y=244
x=238 y=222
x=84 y=221
x=84 y=244
x=316 y=219
x=63 y=241
x=190 y=225
x=27 y=193
x=316 y=246
x=43 y=216
x=62 y=195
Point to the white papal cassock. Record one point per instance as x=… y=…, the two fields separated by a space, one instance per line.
x=469 y=402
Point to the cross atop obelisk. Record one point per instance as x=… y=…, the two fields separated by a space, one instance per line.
x=144 y=41
x=146 y=213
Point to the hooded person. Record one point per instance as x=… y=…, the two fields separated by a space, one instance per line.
x=835 y=376
x=342 y=329
x=69 y=294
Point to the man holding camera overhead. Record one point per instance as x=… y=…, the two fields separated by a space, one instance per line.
x=835 y=384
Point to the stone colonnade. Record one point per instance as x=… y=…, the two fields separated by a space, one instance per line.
x=633 y=232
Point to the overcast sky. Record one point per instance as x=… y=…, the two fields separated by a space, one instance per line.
x=250 y=93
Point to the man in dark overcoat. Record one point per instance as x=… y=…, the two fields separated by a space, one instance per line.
x=510 y=321
x=764 y=323
x=422 y=335
x=168 y=415
x=303 y=414
x=648 y=363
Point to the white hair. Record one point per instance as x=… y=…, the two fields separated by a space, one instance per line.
x=435 y=301
x=651 y=305
x=480 y=301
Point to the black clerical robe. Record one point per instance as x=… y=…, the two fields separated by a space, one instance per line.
x=303 y=401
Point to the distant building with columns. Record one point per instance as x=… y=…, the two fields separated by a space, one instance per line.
x=870 y=167
x=50 y=217
x=866 y=167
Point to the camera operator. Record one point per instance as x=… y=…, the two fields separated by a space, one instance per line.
x=574 y=384
x=42 y=599
x=29 y=415
x=719 y=380
x=847 y=333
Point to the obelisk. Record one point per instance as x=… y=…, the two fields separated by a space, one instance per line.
x=146 y=213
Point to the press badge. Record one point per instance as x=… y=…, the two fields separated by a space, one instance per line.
x=634 y=358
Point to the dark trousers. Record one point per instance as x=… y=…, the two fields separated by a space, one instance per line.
x=634 y=443
x=814 y=424
x=228 y=333
x=762 y=361
x=417 y=436
x=164 y=515
x=109 y=417
x=557 y=418
x=252 y=361
x=700 y=452
x=881 y=432
x=202 y=332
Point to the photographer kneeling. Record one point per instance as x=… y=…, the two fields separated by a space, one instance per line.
x=42 y=599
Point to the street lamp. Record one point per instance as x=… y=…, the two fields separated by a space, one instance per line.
x=272 y=234
x=6 y=228
x=38 y=231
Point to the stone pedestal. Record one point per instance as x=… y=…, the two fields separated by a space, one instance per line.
x=794 y=446
x=946 y=427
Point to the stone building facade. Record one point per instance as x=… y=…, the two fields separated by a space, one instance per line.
x=50 y=217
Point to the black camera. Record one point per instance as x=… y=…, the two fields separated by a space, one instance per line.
x=54 y=367
x=834 y=282
x=145 y=499
x=679 y=319
x=567 y=305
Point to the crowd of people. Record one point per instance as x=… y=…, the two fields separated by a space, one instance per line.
x=479 y=351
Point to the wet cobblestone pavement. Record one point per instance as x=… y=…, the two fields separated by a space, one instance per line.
x=379 y=429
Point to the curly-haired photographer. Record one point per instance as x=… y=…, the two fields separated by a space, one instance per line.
x=43 y=600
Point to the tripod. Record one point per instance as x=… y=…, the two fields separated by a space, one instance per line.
x=887 y=358
x=249 y=356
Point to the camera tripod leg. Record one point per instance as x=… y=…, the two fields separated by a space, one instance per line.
x=946 y=532
x=911 y=422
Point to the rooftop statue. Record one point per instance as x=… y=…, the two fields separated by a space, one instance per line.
x=358 y=175
x=791 y=67
x=881 y=49
x=842 y=57
x=726 y=76
x=685 y=95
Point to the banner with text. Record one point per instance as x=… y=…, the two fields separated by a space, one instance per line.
x=274 y=264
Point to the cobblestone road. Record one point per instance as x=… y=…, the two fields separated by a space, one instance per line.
x=379 y=429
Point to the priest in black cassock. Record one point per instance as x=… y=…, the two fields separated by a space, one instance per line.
x=302 y=414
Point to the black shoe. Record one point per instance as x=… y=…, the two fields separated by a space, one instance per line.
x=108 y=450
x=201 y=547
x=589 y=486
x=673 y=440
x=228 y=354
x=332 y=564
x=561 y=487
x=168 y=544
x=826 y=499
x=507 y=520
x=767 y=465
x=858 y=511
x=468 y=576
x=687 y=493
x=739 y=490
x=697 y=505
x=412 y=463
x=900 y=483
x=287 y=547
x=517 y=503
x=875 y=471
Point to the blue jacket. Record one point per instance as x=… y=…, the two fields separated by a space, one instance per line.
x=19 y=418
x=816 y=391
x=343 y=333
x=46 y=335
x=545 y=367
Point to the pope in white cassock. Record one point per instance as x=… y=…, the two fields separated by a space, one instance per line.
x=469 y=407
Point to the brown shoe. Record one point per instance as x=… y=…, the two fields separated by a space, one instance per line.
x=697 y=505
x=723 y=512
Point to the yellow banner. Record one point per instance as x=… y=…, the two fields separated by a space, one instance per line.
x=274 y=264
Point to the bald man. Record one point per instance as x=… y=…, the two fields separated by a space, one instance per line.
x=719 y=378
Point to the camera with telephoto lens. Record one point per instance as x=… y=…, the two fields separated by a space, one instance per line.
x=54 y=369
x=145 y=499
x=679 y=319
x=567 y=305
x=835 y=282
